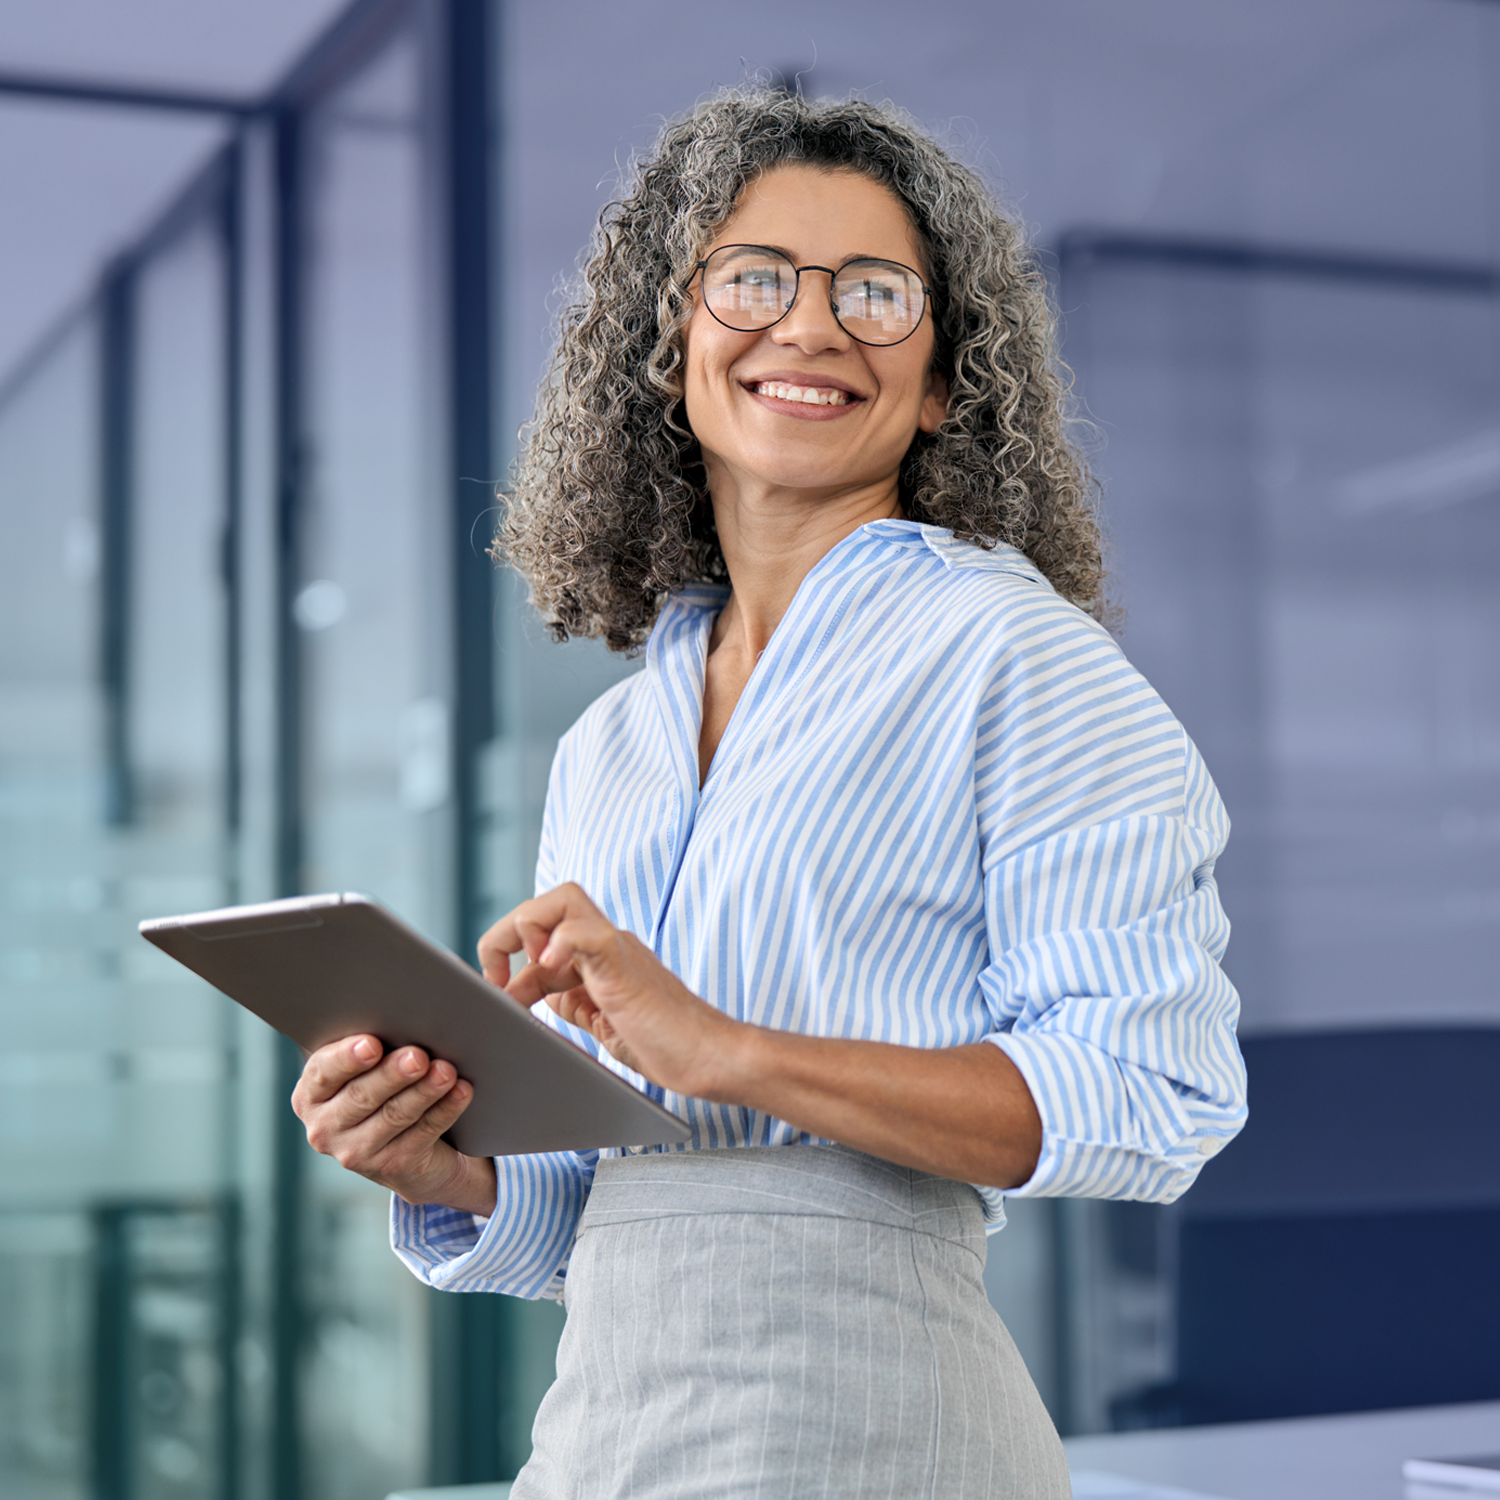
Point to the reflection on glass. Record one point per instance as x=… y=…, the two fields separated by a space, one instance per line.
x=370 y=607
x=1303 y=487
x=118 y=1216
x=57 y=1106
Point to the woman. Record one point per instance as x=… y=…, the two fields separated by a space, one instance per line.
x=887 y=847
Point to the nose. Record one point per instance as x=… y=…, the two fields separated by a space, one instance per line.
x=810 y=324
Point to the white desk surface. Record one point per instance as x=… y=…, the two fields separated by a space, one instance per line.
x=1355 y=1457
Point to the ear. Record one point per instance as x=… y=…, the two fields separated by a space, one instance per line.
x=935 y=402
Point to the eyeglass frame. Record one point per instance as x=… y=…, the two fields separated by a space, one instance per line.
x=833 y=275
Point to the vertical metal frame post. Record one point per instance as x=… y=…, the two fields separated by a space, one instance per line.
x=469 y=1334
x=468 y=143
x=229 y=223
x=117 y=306
x=287 y=1304
x=110 y=1400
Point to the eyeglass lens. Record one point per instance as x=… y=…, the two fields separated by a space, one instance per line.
x=876 y=301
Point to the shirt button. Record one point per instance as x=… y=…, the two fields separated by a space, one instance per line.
x=1209 y=1145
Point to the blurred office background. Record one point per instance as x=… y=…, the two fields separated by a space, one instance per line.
x=275 y=286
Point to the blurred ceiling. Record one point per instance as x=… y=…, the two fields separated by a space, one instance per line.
x=78 y=181
x=236 y=47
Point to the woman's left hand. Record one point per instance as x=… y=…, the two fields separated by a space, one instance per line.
x=610 y=984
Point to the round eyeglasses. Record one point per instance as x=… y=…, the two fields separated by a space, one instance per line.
x=751 y=288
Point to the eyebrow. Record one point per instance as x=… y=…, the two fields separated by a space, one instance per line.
x=848 y=260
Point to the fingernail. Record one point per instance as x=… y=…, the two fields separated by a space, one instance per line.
x=366 y=1050
x=544 y=958
x=410 y=1066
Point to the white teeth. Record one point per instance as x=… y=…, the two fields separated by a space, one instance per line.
x=810 y=395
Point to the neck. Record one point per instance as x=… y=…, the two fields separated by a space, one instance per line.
x=772 y=539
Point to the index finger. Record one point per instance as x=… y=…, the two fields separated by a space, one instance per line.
x=527 y=927
x=331 y=1067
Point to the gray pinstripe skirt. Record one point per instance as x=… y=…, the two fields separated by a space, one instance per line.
x=780 y=1322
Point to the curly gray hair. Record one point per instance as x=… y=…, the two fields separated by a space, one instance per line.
x=609 y=512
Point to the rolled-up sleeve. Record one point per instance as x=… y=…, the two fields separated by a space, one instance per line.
x=522 y=1248
x=1105 y=934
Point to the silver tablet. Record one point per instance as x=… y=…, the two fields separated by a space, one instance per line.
x=323 y=967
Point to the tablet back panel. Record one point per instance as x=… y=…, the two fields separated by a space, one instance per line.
x=318 y=968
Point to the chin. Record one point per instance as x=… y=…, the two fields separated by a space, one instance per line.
x=819 y=471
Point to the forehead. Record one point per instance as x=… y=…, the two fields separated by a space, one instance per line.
x=822 y=214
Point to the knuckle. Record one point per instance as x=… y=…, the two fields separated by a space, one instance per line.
x=359 y=1096
x=398 y=1112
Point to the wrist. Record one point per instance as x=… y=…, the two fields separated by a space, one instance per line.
x=471 y=1186
x=732 y=1063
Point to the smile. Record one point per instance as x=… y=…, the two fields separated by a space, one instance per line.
x=809 y=395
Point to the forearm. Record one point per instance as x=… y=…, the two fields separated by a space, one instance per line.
x=961 y=1112
x=964 y=1113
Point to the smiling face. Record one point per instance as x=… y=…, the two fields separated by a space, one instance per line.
x=802 y=406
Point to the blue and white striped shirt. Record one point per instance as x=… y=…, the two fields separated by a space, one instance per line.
x=946 y=810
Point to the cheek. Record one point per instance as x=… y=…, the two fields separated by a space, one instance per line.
x=707 y=361
x=919 y=381
x=694 y=357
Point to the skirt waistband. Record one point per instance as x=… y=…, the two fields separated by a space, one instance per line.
x=818 y=1181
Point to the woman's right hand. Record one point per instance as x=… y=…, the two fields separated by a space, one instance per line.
x=384 y=1116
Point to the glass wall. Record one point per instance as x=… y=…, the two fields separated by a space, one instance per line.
x=1303 y=470
x=117 y=1190
x=1303 y=474
x=57 y=1118
x=195 y=1306
x=370 y=607
x=178 y=1209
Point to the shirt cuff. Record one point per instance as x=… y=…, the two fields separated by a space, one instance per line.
x=521 y=1249
x=1112 y=1129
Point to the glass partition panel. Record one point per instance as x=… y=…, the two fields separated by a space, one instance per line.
x=371 y=608
x=57 y=1101
x=176 y=845
x=118 y=1216
x=1302 y=480
x=165 y=1230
